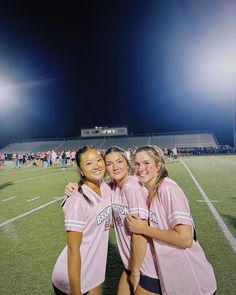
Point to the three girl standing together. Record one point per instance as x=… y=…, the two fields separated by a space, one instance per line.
x=166 y=243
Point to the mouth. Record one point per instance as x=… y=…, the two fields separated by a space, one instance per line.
x=142 y=174
x=98 y=172
x=116 y=173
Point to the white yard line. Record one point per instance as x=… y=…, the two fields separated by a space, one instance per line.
x=8 y=199
x=32 y=199
x=227 y=161
x=25 y=169
x=29 y=212
x=212 y=201
x=36 y=177
x=222 y=225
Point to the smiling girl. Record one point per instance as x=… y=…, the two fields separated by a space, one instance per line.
x=80 y=268
x=182 y=265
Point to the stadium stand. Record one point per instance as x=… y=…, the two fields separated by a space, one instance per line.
x=73 y=144
x=180 y=140
x=32 y=146
x=191 y=140
x=127 y=142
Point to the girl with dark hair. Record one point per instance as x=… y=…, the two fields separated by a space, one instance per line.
x=182 y=265
x=80 y=268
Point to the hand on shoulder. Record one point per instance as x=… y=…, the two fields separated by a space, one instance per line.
x=70 y=188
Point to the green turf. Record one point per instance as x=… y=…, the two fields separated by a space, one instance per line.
x=30 y=245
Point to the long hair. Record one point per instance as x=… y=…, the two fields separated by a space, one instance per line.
x=157 y=154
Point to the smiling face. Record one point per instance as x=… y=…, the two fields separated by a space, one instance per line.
x=146 y=168
x=92 y=166
x=117 y=167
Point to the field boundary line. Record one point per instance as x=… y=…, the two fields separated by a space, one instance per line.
x=222 y=225
x=29 y=212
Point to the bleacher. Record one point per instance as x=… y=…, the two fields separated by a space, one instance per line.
x=32 y=146
x=180 y=140
x=191 y=140
x=126 y=142
x=74 y=144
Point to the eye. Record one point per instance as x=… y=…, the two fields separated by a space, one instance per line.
x=136 y=165
x=108 y=164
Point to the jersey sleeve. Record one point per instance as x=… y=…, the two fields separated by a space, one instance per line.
x=75 y=216
x=176 y=206
x=136 y=199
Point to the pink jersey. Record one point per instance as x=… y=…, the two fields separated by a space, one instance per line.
x=181 y=271
x=72 y=155
x=131 y=200
x=93 y=220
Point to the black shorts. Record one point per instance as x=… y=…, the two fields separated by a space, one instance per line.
x=59 y=292
x=147 y=283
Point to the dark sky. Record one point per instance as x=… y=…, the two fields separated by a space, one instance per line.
x=154 y=66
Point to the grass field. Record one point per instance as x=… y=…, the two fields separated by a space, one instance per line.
x=31 y=243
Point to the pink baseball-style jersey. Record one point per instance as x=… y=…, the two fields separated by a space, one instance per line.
x=181 y=271
x=72 y=154
x=131 y=199
x=93 y=220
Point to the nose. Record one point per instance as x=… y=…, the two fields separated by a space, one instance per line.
x=95 y=165
x=140 y=168
x=115 y=166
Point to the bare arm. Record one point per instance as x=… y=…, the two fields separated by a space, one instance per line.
x=74 y=240
x=180 y=236
x=139 y=246
x=138 y=250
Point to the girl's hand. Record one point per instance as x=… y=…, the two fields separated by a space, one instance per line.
x=135 y=224
x=134 y=279
x=70 y=188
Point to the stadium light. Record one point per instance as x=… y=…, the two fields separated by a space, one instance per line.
x=216 y=75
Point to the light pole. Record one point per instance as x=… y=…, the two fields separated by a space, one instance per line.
x=233 y=108
x=233 y=118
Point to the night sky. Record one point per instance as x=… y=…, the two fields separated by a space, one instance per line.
x=153 y=66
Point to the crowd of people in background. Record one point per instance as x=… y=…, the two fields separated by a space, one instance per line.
x=66 y=158
x=41 y=159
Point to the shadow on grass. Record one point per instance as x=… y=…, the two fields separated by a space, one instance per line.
x=4 y=185
x=231 y=220
x=113 y=271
